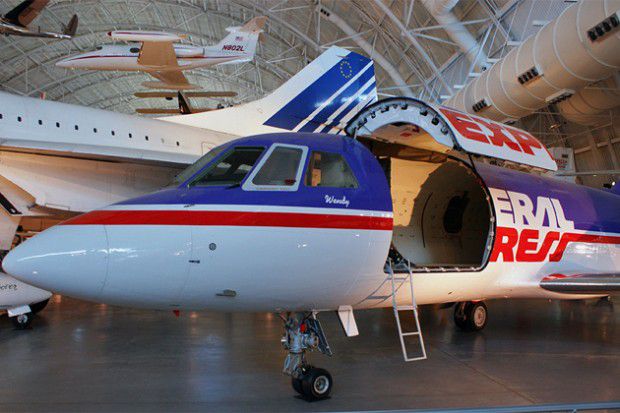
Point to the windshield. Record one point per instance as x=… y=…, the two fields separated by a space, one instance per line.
x=197 y=166
x=231 y=169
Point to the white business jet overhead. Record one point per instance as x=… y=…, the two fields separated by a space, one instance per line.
x=158 y=55
x=57 y=160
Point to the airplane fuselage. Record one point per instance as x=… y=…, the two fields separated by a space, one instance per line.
x=125 y=58
x=246 y=248
x=8 y=28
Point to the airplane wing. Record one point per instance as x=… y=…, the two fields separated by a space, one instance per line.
x=158 y=54
x=161 y=54
x=25 y=12
x=582 y=283
x=169 y=79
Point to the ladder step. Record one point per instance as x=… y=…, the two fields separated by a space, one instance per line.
x=411 y=333
x=379 y=297
x=402 y=279
x=405 y=307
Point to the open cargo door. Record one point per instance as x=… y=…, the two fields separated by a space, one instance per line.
x=414 y=123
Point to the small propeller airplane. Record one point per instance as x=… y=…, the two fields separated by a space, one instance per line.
x=17 y=20
x=158 y=55
x=407 y=209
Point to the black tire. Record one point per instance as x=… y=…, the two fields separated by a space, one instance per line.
x=35 y=308
x=317 y=384
x=459 y=316
x=472 y=317
x=22 y=321
x=297 y=385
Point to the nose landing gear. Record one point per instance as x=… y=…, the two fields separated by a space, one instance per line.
x=303 y=332
x=470 y=315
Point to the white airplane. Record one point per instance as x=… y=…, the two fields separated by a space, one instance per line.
x=396 y=214
x=160 y=57
x=17 y=20
x=57 y=160
x=21 y=301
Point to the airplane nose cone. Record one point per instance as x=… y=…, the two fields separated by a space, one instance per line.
x=71 y=260
x=63 y=63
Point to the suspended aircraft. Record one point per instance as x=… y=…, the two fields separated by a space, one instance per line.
x=16 y=21
x=59 y=160
x=158 y=55
x=419 y=204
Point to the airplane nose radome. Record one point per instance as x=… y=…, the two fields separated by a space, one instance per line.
x=69 y=259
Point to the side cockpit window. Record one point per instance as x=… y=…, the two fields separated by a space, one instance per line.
x=231 y=169
x=280 y=170
x=329 y=170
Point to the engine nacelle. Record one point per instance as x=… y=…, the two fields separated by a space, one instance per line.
x=182 y=50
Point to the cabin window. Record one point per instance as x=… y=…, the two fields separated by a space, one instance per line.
x=130 y=135
x=95 y=130
x=280 y=169
x=40 y=122
x=0 y=115
x=58 y=124
x=135 y=50
x=19 y=118
x=329 y=170
x=231 y=169
x=112 y=132
x=76 y=127
x=146 y=138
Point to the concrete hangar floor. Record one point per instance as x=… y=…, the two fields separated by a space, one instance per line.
x=83 y=357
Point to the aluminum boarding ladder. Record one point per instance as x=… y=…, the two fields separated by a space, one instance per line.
x=397 y=282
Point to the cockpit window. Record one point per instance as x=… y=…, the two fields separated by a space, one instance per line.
x=231 y=169
x=197 y=166
x=280 y=169
x=329 y=170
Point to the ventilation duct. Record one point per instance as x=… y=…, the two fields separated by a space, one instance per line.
x=565 y=59
x=591 y=104
x=441 y=11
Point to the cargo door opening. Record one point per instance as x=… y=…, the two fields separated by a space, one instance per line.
x=443 y=218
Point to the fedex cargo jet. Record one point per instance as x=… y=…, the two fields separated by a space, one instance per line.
x=405 y=210
x=57 y=160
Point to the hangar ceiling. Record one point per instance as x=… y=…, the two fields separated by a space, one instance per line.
x=414 y=54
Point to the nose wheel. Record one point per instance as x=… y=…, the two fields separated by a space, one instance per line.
x=303 y=333
x=22 y=321
x=470 y=316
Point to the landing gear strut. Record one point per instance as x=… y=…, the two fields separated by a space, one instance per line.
x=470 y=315
x=303 y=332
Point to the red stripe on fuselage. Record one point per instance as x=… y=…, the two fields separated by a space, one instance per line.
x=232 y=218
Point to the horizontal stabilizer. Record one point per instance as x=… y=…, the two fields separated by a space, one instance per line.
x=170 y=86
x=172 y=111
x=213 y=94
x=582 y=283
x=144 y=36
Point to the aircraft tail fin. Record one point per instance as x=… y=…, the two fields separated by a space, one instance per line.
x=71 y=27
x=324 y=95
x=242 y=39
